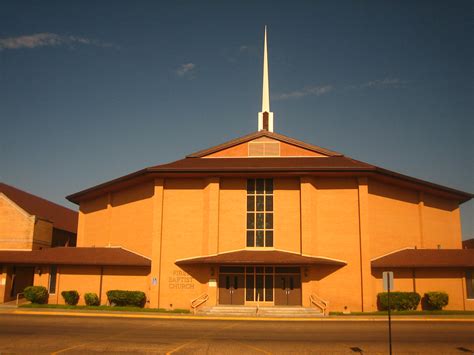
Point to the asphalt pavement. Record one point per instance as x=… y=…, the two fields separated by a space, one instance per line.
x=78 y=335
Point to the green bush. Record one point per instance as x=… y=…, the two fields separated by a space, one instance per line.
x=36 y=294
x=70 y=297
x=92 y=299
x=126 y=298
x=435 y=300
x=399 y=301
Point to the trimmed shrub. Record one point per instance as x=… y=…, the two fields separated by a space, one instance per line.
x=70 y=297
x=36 y=294
x=92 y=299
x=126 y=298
x=399 y=301
x=435 y=300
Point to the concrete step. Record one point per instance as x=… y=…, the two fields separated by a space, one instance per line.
x=13 y=303
x=228 y=310
x=262 y=311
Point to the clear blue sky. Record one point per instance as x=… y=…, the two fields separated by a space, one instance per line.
x=90 y=91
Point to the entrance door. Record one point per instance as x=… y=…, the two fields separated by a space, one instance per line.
x=288 y=290
x=22 y=277
x=231 y=289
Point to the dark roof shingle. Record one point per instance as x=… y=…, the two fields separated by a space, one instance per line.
x=62 y=217
x=74 y=256
x=261 y=164
x=429 y=258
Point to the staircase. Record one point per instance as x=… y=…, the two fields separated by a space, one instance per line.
x=243 y=311
x=289 y=312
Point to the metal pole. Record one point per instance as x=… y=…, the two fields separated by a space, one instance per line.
x=389 y=317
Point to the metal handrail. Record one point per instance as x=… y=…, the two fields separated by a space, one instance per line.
x=258 y=303
x=320 y=303
x=18 y=297
x=195 y=303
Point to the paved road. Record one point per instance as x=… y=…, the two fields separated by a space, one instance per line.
x=77 y=335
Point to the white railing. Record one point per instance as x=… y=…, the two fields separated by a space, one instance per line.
x=258 y=303
x=195 y=303
x=18 y=297
x=320 y=303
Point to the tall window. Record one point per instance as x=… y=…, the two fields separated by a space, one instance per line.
x=53 y=274
x=259 y=212
x=470 y=284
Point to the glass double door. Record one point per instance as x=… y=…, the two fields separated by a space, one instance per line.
x=266 y=285
x=287 y=289
x=231 y=289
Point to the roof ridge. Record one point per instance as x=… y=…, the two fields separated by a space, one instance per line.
x=258 y=134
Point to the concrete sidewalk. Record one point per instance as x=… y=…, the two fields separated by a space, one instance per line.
x=157 y=315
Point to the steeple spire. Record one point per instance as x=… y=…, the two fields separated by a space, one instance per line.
x=265 y=118
x=265 y=91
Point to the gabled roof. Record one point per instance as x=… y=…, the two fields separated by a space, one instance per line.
x=332 y=163
x=259 y=134
x=62 y=218
x=426 y=258
x=74 y=256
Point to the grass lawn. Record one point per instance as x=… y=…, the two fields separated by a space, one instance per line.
x=404 y=313
x=104 y=308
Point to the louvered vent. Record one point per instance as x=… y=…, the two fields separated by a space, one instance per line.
x=264 y=149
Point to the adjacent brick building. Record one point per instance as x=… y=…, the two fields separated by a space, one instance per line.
x=29 y=222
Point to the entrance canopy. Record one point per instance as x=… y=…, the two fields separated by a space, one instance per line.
x=260 y=257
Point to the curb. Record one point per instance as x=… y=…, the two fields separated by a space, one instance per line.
x=233 y=318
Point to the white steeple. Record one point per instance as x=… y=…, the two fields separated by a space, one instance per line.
x=265 y=118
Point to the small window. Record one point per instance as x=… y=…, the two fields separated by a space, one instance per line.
x=250 y=221
x=260 y=240
x=269 y=238
x=250 y=203
x=251 y=238
x=53 y=274
x=269 y=203
x=268 y=220
x=251 y=186
x=269 y=186
x=470 y=284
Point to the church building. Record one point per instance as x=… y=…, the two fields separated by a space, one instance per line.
x=265 y=220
